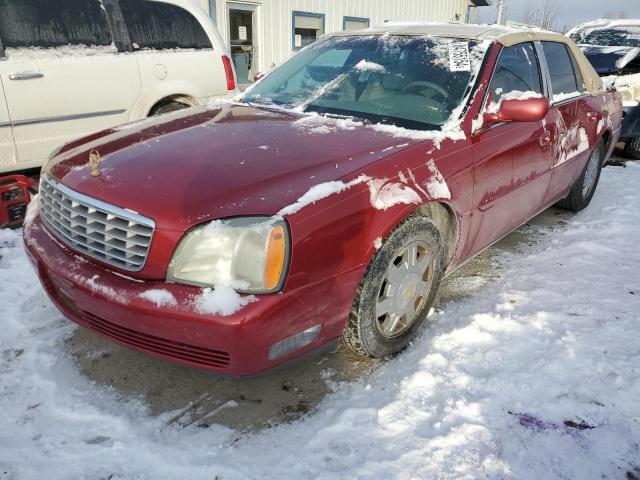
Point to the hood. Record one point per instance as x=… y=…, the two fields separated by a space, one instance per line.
x=201 y=164
x=613 y=60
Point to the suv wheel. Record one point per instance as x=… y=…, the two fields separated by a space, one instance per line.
x=397 y=290
x=167 y=107
x=632 y=148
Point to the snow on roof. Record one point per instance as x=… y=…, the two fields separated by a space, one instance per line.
x=492 y=32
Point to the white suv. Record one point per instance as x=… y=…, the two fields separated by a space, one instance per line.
x=72 y=67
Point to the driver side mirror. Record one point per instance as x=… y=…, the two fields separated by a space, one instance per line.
x=515 y=110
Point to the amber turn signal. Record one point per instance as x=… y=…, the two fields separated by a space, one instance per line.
x=276 y=251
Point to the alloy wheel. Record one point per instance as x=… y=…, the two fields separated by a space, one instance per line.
x=405 y=289
x=591 y=173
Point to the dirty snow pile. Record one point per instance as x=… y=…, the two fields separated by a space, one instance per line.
x=534 y=376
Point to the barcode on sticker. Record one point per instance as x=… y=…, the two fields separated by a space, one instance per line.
x=459 y=60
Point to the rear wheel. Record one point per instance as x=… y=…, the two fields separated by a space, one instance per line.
x=167 y=107
x=632 y=148
x=397 y=290
x=583 y=190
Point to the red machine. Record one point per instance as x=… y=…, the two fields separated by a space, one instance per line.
x=14 y=198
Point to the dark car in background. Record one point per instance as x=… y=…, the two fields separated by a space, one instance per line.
x=613 y=48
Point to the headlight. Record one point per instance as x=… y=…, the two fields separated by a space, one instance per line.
x=250 y=254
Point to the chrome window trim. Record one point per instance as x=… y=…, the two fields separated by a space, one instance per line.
x=544 y=70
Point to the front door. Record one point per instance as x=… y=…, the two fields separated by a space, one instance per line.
x=512 y=160
x=242 y=42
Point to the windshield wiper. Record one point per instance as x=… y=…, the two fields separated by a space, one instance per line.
x=366 y=121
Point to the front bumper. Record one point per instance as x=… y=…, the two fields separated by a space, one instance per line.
x=631 y=122
x=111 y=305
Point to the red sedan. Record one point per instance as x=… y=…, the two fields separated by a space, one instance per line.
x=328 y=201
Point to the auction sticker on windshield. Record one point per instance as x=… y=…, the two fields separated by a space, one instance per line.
x=459 y=60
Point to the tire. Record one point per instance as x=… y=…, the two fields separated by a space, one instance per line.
x=167 y=107
x=585 y=186
x=371 y=332
x=632 y=148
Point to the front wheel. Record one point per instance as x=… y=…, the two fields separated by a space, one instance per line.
x=397 y=290
x=585 y=186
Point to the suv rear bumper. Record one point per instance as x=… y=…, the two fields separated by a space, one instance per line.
x=111 y=304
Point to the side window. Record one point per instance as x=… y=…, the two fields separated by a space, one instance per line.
x=578 y=73
x=155 y=25
x=53 y=23
x=561 y=69
x=517 y=70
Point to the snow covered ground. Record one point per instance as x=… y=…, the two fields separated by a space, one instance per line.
x=536 y=375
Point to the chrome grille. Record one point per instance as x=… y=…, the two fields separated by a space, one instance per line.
x=102 y=231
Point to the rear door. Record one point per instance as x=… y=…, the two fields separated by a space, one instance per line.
x=63 y=77
x=512 y=160
x=569 y=124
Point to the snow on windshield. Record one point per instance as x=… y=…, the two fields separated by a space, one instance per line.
x=399 y=83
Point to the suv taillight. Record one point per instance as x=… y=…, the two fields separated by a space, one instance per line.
x=228 y=70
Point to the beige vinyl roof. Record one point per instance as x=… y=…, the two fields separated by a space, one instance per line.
x=506 y=36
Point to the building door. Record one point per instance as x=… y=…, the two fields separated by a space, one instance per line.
x=242 y=35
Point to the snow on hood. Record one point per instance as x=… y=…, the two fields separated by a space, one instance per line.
x=201 y=164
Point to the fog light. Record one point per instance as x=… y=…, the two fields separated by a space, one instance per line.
x=293 y=343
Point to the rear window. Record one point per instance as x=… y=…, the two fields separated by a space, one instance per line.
x=627 y=36
x=155 y=25
x=53 y=23
x=563 y=69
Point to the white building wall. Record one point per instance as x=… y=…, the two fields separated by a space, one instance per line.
x=274 y=19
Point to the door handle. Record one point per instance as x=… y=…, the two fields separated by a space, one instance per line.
x=26 y=75
x=592 y=116
x=545 y=138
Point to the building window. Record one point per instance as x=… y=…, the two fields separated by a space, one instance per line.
x=307 y=28
x=355 y=23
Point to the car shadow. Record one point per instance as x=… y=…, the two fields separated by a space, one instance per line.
x=195 y=398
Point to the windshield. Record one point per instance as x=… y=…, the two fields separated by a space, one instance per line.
x=628 y=36
x=407 y=81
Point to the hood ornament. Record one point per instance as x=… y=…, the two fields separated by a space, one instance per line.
x=94 y=161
